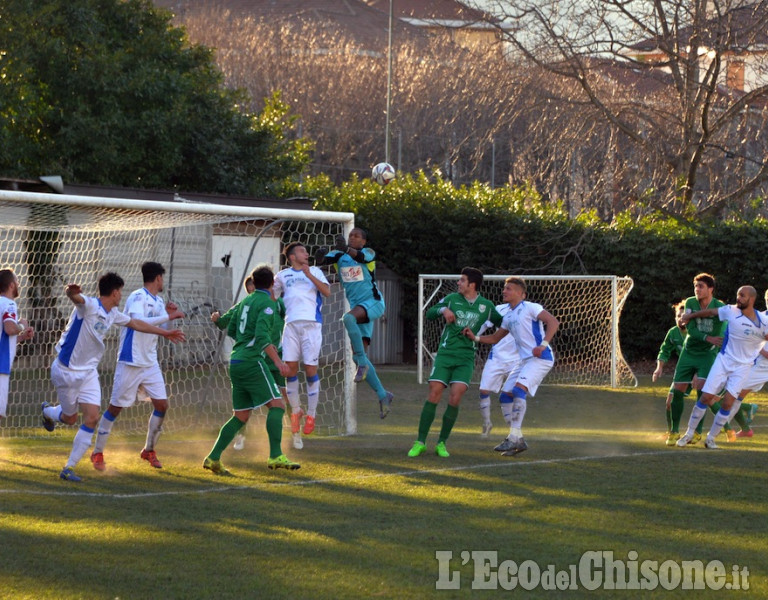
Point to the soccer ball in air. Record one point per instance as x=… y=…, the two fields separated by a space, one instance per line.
x=383 y=173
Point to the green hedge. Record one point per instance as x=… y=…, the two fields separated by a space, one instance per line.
x=424 y=225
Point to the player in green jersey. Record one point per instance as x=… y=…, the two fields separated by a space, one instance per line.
x=705 y=336
x=672 y=345
x=252 y=324
x=455 y=359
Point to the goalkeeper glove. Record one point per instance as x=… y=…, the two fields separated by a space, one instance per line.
x=341 y=243
x=320 y=255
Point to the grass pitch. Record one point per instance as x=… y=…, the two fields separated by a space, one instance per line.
x=362 y=520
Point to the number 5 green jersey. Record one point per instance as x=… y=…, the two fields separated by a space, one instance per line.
x=252 y=324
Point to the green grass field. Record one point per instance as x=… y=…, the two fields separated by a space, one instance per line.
x=362 y=520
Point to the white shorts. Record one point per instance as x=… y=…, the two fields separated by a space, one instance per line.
x=73 y=387
x=147 y=382
x=757 y=377
x=4 y=381
x=530 y=373
x=726 y=374
x=496 y=372
x=302 y=341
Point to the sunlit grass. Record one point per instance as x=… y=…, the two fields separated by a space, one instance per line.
x=360 y=519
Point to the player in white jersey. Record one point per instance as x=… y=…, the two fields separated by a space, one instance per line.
x=74 y=371
x=533 y=329
x=744 y=338
x=138 y=371
x=302 y=288
x=502 y=360
x=13 y=330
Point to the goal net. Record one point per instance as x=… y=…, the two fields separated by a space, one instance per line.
x=587 y=350
x=207 y=250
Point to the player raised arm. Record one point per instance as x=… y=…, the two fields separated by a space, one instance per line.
x=75 y=293
x=174 y=335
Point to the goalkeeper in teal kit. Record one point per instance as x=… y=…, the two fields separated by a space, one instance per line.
x=356 y=266
x=455 y=360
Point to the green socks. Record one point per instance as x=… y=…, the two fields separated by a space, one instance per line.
x=425 y=422
x=275 y=431
x=449 y=419
x=227 y=433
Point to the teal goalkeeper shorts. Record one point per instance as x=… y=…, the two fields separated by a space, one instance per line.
x=453 y=369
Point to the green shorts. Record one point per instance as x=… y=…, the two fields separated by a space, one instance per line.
x=689 y=365
x=252 y=385
x=453 y=369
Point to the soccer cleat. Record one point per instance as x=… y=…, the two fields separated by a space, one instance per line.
x=520 y=446
x=487 y=426
x=696 y=438
x=385 y=405
x=215 y=466
x=745 y=434
x=361 y=374
x=684 y=440
x=507 y=444
x=151 y=458
x=48 y=423
x=282 y=462
x=239 y=442
x=97 y=458
x=309 y=425
x=418 y=449
x=672 y=438
x=67 y=474
x=441 y=450
x=710 y=443
x=751 y=412
x=298 y=443
x=730 y=435
x=296 y=421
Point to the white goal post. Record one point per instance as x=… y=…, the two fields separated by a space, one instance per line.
x=587 y=349
x=207 y=250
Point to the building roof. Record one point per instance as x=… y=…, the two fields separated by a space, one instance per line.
x=745 y=26
x=365 y=24
x=103 y=191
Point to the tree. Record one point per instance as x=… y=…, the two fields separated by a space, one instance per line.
x=108 y=92
x=672 y=94
x=448 y=105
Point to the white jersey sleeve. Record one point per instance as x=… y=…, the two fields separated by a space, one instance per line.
x=136 y=348
x=8 y=312
x=743 y=337
x=303 y=301
x=524 y=325
x=81 y=346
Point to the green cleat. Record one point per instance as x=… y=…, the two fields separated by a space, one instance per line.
x=418 y=449
x=215 y=466
x=441 y=450
x=282 y=462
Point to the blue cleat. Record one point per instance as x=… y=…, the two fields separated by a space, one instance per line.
x=67 y=474
x=48 y=423
x=385 y=405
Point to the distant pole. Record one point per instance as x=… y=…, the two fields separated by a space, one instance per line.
x=389 y=84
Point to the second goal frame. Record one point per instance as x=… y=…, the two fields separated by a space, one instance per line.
x=587 y=346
